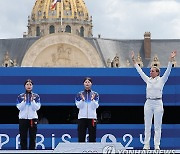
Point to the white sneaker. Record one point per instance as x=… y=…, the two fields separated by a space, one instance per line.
x=146 y=147
x=156 y=147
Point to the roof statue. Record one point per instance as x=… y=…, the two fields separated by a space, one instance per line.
x=7 y=60
x=155 y=61
x=174 y=63
x=139 y=60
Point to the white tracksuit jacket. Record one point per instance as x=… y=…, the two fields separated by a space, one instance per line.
x=87 y=108
x=28 y=109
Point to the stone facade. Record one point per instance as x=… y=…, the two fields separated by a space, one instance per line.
x=62 y=50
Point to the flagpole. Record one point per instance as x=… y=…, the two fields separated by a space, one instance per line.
x=61 y=12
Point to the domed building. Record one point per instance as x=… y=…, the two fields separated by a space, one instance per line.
x=49 y=17
x=60 y=26
x=60 y=35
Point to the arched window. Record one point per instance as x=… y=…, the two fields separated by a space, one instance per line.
x=51 y=29
x=37 y=31
x=82 y=31
x=68 y=29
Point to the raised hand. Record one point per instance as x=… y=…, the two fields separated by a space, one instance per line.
x=173 y=54
x=92 y=96
x=132 y=54
x=24 y=97
x=82 y=97
x=33 y=97
x=133 y=58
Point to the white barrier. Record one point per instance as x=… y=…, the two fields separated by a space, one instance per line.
x=89 y=148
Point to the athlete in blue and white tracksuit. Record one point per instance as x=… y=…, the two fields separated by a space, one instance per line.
x=28 y=103
x=154 y=104
x=87 y=103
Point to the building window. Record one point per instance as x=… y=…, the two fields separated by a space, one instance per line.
x=82 y=31
x=37 y=31
x=51 y=29
x=68 y=29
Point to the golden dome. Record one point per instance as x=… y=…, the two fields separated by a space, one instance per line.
x=43 y=9
x=62 y=13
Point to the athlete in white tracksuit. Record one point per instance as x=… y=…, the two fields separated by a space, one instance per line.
x=28 y=104
x=154 y=104
x=87 y=102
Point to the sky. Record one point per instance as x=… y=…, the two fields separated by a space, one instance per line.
x=113 y=19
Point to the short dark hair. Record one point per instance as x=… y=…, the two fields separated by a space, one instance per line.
x=28 y=80
x=87 y=78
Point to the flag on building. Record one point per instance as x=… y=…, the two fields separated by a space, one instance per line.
x=53 y=5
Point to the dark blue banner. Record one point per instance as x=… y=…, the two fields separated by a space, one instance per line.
x=59 y=86
x=131 y=136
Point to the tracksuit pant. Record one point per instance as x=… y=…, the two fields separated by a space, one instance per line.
x=28 y=127
x=83 y=125
x=153 y=107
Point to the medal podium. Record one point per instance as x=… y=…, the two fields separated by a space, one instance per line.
x=89 y=148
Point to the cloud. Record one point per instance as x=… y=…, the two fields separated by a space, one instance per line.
x=129 y=19
x=116 y=19
x=14 y=17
